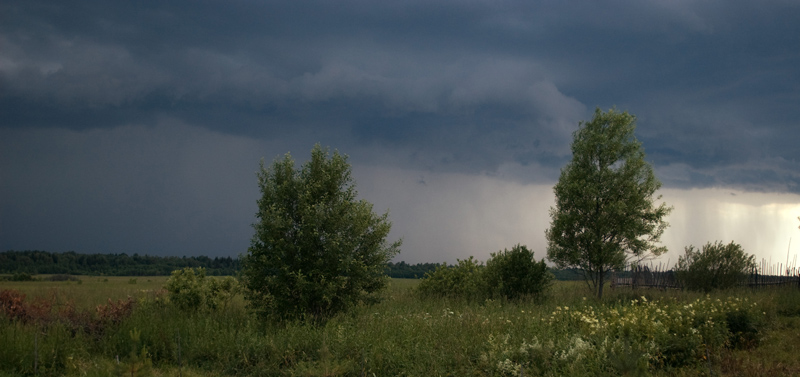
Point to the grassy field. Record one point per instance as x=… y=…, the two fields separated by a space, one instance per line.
x=92 y=328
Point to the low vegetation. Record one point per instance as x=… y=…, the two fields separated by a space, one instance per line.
x=94 y=329
x=508 y=274
x=716 y=266
x=191 y=290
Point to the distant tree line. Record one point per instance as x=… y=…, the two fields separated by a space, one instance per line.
x=42 y=262
x=35 y=262
x=403 y=270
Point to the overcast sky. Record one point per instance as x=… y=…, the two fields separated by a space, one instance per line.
x=138 y=127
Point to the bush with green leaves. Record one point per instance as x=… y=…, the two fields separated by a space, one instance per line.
x=466 y=280
x=515 y=273
x=191 y=289
x=22 y=276
x=317 y=250
x=716 y=266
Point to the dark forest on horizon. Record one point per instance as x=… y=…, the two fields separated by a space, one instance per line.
x=35 y=262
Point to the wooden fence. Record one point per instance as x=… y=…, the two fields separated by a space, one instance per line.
x=661 y=277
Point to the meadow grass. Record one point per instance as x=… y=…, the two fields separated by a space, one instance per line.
x=570 y=333
x=89 y=291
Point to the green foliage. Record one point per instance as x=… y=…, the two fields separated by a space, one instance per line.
x=70 y=262
x=221 y=291
x=509 y=274
x=667 y=333
x=138 y=362
x=43 y=262
x=605 y=208
x=317 y=251
x=403 y=270
x=788 y=303
x=717 y=266
x=22 y=276
x=744 y=327
x=465 y=280
x=190 y=289
x=27 y=348
x=515 y=273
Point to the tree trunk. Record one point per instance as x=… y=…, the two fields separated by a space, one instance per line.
x=600 y=284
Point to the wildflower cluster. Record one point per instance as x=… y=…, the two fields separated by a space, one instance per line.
x=663 y=333
x=624 y=338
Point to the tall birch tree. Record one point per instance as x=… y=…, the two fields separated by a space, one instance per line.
x=606 y=211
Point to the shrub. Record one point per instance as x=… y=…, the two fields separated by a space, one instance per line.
x=190 y=289
x=717 y=266
x=317 y=249
x=22 y=276
x=744 y=328
x=220 y=292
x=465 y=279
x=515 y=273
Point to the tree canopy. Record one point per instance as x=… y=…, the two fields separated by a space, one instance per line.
x=605 y=211
x=317 y=250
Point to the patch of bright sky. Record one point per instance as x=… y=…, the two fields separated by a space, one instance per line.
x=444 y=217
x=763 y=223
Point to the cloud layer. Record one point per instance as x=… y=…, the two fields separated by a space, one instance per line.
x=143 y=103
x=441 y=85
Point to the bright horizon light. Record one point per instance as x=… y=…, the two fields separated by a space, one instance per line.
x=444 y=217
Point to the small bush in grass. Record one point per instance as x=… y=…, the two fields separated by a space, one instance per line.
x=22 y=276
x=190 y=289
x=717 y=266
x=465 y=279
x=509 y=274
x=515 y=273
x=220 y=292
x=744 y=327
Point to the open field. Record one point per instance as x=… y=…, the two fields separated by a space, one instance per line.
x=644 y=332
x=91 y=291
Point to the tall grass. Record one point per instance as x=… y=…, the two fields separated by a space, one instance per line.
x=570 y=333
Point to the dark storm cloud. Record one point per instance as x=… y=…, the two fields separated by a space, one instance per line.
x=157 y=190
x=437 y=85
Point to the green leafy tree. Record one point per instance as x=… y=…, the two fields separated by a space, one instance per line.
x=515 y=273
x=717 y=266
x=317 y=250
x=605 y=211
